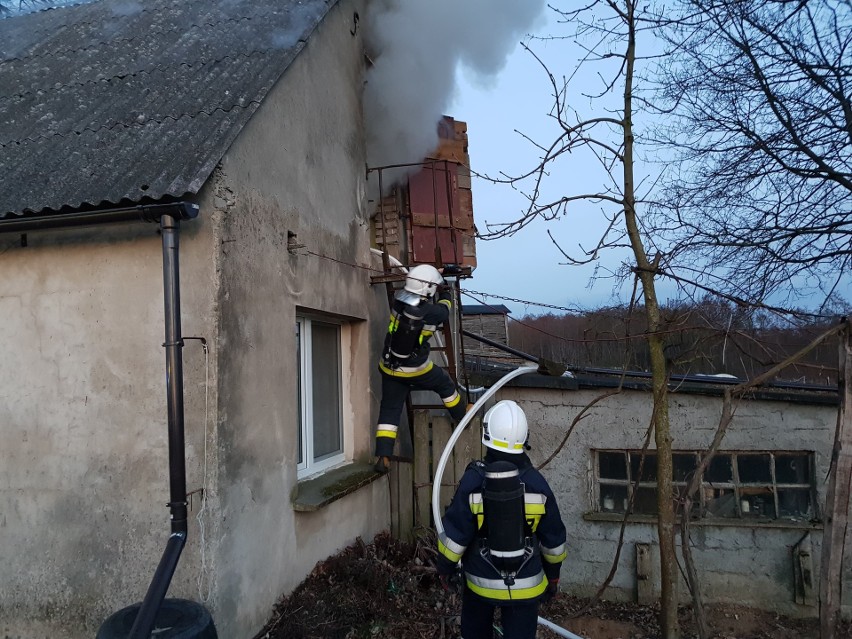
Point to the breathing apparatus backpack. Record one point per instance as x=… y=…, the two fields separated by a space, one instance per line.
x=403 y=334
x=507 y=539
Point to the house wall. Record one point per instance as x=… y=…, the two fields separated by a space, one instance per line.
x=745 y=564
x=298 y=167
x=84 y=472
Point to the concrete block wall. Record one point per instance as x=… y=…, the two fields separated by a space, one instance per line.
x=747 y=564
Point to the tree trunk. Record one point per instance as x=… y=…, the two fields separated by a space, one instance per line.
x=837 y=500
x=659 y=375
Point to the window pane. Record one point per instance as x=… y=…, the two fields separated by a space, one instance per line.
x=757 y=502
x=720 y=502
x=683 y=465
x=680 y=496
x=299 y=389
x=325 y=346
x=649 y=466
x=720 y=470
x=645 y=502
x=612 y=465
x=754 y=469
x=795 y=502
x=613 y=499
x=792 y=469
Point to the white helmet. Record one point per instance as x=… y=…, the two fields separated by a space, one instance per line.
x=423 y=280
x=504 y=427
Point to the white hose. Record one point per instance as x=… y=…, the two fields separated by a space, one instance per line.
x=559 y=630
x=445 y=455
x=394 y=262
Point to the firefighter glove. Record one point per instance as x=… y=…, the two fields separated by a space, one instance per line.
x=452 y=582
x=552 y=589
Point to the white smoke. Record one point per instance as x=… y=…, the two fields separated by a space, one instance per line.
x=416 y=47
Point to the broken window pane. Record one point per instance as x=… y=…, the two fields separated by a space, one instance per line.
x=720 y=502
x=795 y=502
x=754 y=469
x=792 y=469
x=649 y=466
x=683 y=465
x=612 y=465
x=720 y=470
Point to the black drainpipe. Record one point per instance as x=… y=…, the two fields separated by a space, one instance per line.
x=168 y=216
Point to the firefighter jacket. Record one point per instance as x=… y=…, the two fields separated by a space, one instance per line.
x=418 y=362
x=462 y=541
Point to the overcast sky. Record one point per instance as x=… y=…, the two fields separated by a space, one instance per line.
x=527 y=266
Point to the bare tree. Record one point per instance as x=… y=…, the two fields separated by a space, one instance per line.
x=758 y=103
x=609 y=30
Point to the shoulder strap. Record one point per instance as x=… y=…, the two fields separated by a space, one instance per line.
x=478 y=465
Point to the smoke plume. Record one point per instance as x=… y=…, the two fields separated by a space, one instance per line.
x=416 y=47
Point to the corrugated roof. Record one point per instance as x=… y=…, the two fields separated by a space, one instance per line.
x=118 y=100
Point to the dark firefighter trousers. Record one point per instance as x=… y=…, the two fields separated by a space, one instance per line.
x=519 y=620
x=396 y=389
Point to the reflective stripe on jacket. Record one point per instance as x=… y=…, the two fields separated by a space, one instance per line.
x=461 y=539
x=434 y=315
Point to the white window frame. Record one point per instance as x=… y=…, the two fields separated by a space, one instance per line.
x=309 y=466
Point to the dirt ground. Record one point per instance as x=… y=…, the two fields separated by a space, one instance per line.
x=388 y=589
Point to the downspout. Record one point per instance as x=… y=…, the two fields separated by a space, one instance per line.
x=146 y=618
x=168 y=216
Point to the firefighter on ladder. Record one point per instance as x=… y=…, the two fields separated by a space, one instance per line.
x=405 y=365
x=503 y=525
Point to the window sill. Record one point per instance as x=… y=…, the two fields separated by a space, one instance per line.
x=721 y=523
x=312 y=494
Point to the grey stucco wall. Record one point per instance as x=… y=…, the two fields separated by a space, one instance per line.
x=298 y=167
x=741 y=564
x=84 y=473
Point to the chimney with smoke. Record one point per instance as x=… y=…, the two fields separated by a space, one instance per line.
x=416 y=48
x=425 y=212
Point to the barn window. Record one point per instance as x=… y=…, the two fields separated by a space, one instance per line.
x=747 y=485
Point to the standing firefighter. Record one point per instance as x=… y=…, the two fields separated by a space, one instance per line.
x=405 y=363
x=503 y=524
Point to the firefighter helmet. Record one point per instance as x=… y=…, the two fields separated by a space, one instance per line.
x=423 y=280
x=504 y=427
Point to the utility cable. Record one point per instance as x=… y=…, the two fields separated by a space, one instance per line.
x=473 y=295
x=204 y=599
